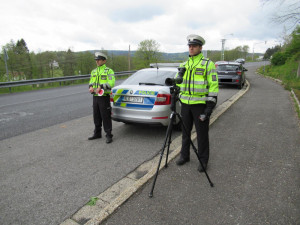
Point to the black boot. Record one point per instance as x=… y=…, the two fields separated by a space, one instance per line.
x=95 y=136
x=182 y=161
x=200 y=168
x=109 y=138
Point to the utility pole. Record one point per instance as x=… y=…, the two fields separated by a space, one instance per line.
x=129 y=59
x=223 y=47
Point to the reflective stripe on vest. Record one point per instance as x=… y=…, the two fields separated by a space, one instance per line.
x=213 y=94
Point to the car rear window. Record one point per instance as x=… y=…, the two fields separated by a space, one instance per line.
x=227 y=67
x=150 y=76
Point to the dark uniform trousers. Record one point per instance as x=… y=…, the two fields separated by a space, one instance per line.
x=102 y=113
x=190 y=114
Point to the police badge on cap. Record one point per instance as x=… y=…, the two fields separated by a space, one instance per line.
x=194 y=39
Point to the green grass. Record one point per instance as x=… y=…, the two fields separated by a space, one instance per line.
x=287 y=73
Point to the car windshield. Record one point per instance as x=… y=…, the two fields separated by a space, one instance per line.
x=150 y=77
x=227 y=67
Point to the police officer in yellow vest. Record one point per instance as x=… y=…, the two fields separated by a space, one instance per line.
x=101 y=82
x=198 y=95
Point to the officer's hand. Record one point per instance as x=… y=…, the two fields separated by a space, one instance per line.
x=207 y=111
x=91 y=89
x=202 y=117
x=206 y=114
x=98 y=90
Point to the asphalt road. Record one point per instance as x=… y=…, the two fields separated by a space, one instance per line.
x=48 y=168
x=29 y=111
x=24 y=112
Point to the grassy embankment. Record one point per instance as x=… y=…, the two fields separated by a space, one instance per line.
x=287 y=73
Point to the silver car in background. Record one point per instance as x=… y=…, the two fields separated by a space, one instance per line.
x=144 y=97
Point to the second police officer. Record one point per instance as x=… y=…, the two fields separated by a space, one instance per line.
x=198 y=95
x=101 y=82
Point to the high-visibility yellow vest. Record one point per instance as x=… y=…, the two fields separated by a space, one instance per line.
x=200 y=81
x=102 y=75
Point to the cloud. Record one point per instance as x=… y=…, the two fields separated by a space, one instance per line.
x=136 y=14
x=116 y=24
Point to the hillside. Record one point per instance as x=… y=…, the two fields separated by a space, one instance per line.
x=166 y=56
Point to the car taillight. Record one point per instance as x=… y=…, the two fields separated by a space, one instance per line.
x=163 y=99
x=239 y=73
x=111 y=97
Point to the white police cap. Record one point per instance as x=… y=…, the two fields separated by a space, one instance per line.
x=100 y=55
x=194 y=39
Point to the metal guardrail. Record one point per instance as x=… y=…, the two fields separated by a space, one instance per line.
x=10 y=84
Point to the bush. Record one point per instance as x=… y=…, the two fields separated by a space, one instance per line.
x=278 y=59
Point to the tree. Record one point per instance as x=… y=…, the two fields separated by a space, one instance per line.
x=2 y=68
x=120 y=63
x=85 y=62
x=147 y=52
x=245 y=50
x=294 y=46
x=290 y=51
x=68 y=63
x=238 y=52
x=19 y=62
x=287 y=12
x=271 y=51
x=23 y=59
x=44 y=64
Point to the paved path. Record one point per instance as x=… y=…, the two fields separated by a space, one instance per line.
x=254 y=164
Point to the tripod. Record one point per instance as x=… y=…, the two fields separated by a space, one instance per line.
x=174 y=93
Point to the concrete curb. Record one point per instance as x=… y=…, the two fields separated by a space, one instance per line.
x=296 y=99
x=116 y=195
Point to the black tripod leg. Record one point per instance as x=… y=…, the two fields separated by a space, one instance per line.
x=168 y=137
x=172 y=121
x=195 y=150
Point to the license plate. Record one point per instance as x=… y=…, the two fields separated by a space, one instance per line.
x=134 y=99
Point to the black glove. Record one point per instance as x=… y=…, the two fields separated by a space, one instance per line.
x=105 y=86
x=207 y=111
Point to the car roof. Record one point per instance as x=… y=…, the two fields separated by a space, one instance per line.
x=160 y=65
x=162 y=68
x=230 y=63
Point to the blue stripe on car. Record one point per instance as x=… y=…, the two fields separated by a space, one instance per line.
x=129 y=105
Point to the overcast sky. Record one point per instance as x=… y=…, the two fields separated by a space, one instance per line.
x=56 y=25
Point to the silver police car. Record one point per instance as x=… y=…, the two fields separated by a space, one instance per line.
x=144 y=97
